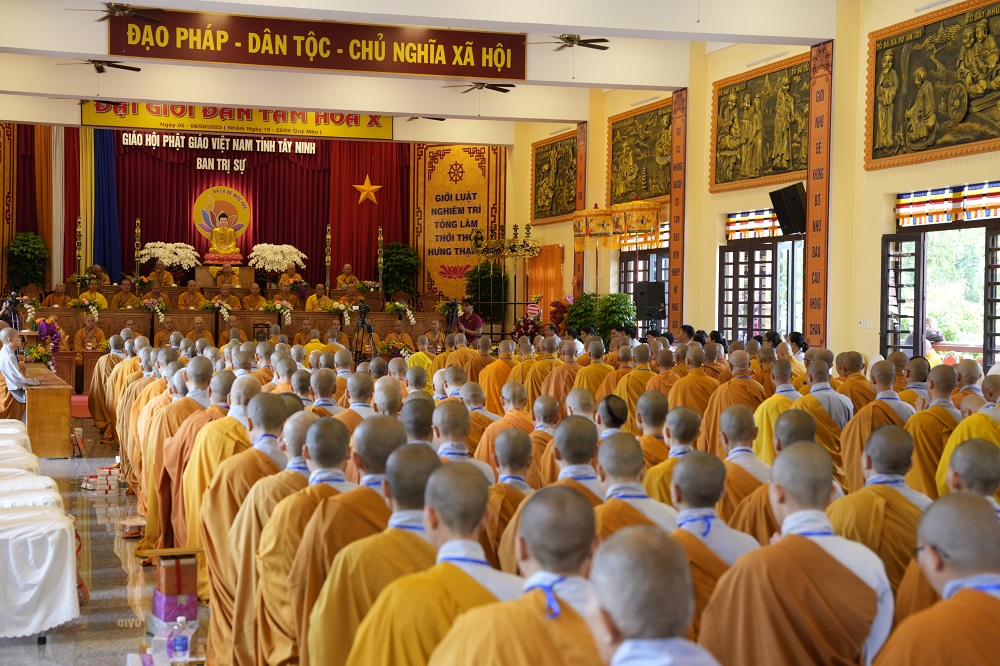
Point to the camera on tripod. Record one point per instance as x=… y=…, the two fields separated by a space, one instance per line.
x=363 y=310
x=451 y=319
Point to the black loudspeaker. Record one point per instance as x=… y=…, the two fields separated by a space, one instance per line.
x=790 y=207
x=650 y=301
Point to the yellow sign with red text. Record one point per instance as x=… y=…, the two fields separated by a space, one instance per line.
x=237 y=120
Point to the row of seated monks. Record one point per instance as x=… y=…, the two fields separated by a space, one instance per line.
x=638 y=505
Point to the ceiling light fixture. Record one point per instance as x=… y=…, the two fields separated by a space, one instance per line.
x=761 y=61
x=561 y=130
x=929 y=5
x=645 y=101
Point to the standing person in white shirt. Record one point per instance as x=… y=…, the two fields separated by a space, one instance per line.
x=633 y=572
x=13 y=372
x=810 y=596
x=696 y=486
x=620 y=471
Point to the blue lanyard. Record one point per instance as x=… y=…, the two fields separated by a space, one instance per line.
x=896 y=399
x=617 y=496
x=886 y=483
x=588 y=477
x=707 y=520
x=411 y=528
x=467 y=560
x=813 y=534
x=741 y=449
x=510 y=477
x=265 y=436
x=820 y=390
x=672 y=454
x=985 y=588
x=551 y=602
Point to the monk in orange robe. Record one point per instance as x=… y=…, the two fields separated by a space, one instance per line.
x=633 y=385
x=873 y=416
x=664 y=381
x=965 y=626
x=541 y=368
x=931 y=428
x=543 y=469
x=543 y=626
x=610 y=382
x=562 y=378
x=412 y=614
x=244 y=535
x=153 y=388
x=593 y=375
x=362 y=569
x=695 y=388
x=477 y=364
x=745 y=473
x=740 y=390
x=794 y=601
x=359 y=393
x=141 y=447
x=762 y=375
x=884 y=514
x=525 y=360
x=342 y=520
x=651 y=416
x=916 y=371
x=440 y=361
x=513 y=455
x=472 y=396
x=801 y=382
x=96 y=402
x=968 y=372
x=494 y=376
x=223 y=496
x=262 y=357
x=713 y=367
x=898 y=360
x=854 y=385
x=514 y=416
x=462 y=354
x=124 y=408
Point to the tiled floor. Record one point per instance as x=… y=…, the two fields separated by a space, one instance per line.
x=113 y=623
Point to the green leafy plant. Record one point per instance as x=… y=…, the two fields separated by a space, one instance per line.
x=26 y=259
x=487 y=283
x=583 y=311
x=399 y=269
x=614 y=310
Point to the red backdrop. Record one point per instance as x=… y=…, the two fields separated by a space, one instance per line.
x=292 y=197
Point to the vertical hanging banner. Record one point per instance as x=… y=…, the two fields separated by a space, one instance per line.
x=454 y=190
x=579 y=267
x=678 y=184
x=818 y=194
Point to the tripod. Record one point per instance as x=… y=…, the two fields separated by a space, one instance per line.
x=363 y=334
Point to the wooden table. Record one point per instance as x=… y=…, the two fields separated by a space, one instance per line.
x=65 y=362
x=47 y=412
x=90 y=359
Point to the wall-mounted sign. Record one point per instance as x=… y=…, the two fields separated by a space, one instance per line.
x=272 y=42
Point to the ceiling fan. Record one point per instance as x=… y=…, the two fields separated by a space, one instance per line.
x=100 y=66
x=567 y=40
x=441 y=120
x=121 y=9
x=496 y=87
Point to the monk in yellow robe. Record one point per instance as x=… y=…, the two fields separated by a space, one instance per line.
x=441 y=360
x=362 y=569
x=740 y=390
x=423 y=358
x=472 y=396
x=931 y=428
x=784 y=351
x=651 y=416
x=541 y=369
x=680 y=431
x=462 y=353
x=501 y=504
x=794 y=598
x=481 y=361
x=593 y=375
x=124 y=408
x=969 y=373
x=633 y=385
x=762 y=375
x=341 y=520
x=58 y=298
x=964 y=627
x=546 y=625
x=768 y=412
x=244 y=535
x=514 y=402
x=854 y=385
x=153 y=389
x=325 y=452
x=120 y=376
x=664 y=381
x=96 y=401
x=975 y=425
x=561 y=379
x=543 y=469
x=801 y=382
x=177 y=451
x=526 y=359
x=754 y=516
x=222 y=499
x=414 y=613
x=141 y=448
x=695 y=388
x=884 y=514
x=494 y=376
x=216 y=442
x=832 y=412
x=713 y=367
x=873 y=416
x=612 y=378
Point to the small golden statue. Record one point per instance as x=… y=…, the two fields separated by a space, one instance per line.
x=223 y=238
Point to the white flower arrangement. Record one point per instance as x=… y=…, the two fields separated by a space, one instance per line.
x=401 y=309
x=29 y=309
x=341 y=309
x=286 y=312
x=94 y=311
x=179 y=255
x=275 y=258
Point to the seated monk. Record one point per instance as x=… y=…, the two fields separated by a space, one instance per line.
x=695 y=388
x=191 y=299
x=742 y=389
x=254 y=300
x=286 y=294
x=227 y=276
x=124 y=297
x=58 y=298
x=958 y=541
x=225 y=295
x=664 y=381
x=620 y=472
x=680 y=431
x=512 y=457
x=547 y=624
x=455 y=503
x=397 y=334
x=931 y=427
x=651 y=415
x=812 y=597
x=101 y=276
x=289 y=274
x=161 y=275
x=514 y=453
x=318 y=300
x=969 y=373
x=744 y=471
x=781 y=399
x=854 y=384
x=347 y=278
x=352 y=298
x=633 y=572
x=885 y=513
x=712 y=546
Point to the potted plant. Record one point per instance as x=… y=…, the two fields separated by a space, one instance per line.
x=487 y=283
x=400 y=263
x=614 y=310
x=26 y=259
x=582 y=311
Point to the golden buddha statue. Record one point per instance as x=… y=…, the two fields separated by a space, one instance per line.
x=223 y=238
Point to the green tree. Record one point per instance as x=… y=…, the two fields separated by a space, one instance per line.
x=26 y=258
x=399 y=269
x=955 y=268
x=486 y=284
x=614 y=310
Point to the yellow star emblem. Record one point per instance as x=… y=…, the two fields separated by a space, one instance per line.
x=367 y=191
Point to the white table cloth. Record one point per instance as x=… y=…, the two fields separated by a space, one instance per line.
x=26 y=481
x=37 y=497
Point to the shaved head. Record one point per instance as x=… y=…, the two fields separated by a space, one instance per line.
x=550 y=344
x=652 y=406
x=417 y=417
x=513 y=449
x=740 y=360
x=968 y=371
x=557 y=526
x=794 y=425
x=581 y=402
x=397 y=368
x=343 y=359
x=266 y=411
x=407 y=470
x=327 y=441
x=919 y=368
x=963 y=529
x=805 y=472
x=452 y=420
x=781 y=371
x=613 y=411
x=737 y=423
x=977 y=464
x=472 y=394
x=853 y=361
x=890 y=449
x=300 y=382
x=695 y=357
x=244 y=389
x=641 y=354
x=295 y=430
x=766 y=355
x=293 y=403
x=221 y=385
x=416 y=377
x=576 y=440
x=546 y=410
x=753 y=347
x=455 y=376
x=884 y=375
x=458 y=494
x=711 y=352
x=360 y=385
x=624 y=351
x=621 y=457
x=944 y=380
x=199 y=372
x=898 y=360
x=515 y=394
x=633 y=572
x=375 y=439
x=596 y=350
x=323 y=383
x=388 y=397
x=285 y=368
x=700 y=477
x=665 y=359
x=818 y=371
x=683 y=424
x=378 y=367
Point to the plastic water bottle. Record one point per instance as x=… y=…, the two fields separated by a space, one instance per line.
x=180 y=641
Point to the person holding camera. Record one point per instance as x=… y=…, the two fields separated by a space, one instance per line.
x=469 y=322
